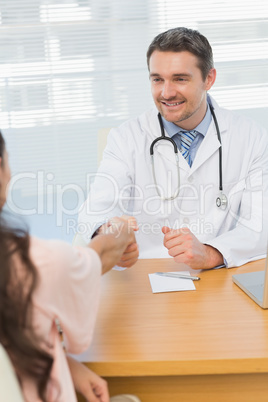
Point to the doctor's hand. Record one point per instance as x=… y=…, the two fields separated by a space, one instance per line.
x=185 y=248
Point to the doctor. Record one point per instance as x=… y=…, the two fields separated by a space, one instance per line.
x=203 y=206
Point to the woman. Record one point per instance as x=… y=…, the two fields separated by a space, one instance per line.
x=41 y=281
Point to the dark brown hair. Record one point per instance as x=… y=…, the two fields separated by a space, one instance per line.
x=184 y=39
x=17 y=334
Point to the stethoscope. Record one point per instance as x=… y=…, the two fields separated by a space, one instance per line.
x=221 y=200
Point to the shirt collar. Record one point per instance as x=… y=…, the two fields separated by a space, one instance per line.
x=202 y=128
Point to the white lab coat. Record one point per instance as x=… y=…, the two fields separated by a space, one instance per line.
x=125 y=185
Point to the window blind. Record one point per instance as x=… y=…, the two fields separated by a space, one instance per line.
x=72 y=67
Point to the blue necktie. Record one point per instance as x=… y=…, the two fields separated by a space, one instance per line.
x=187 y=138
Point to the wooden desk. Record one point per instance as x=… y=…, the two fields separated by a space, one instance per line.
x=205 y=345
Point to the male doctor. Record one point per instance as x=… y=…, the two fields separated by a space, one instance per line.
x=190 y=212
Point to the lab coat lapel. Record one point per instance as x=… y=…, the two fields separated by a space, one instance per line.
x=208 y=147
x=210 y=143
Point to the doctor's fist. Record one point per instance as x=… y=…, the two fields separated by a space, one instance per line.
x=185 y=248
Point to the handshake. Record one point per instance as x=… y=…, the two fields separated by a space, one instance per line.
x=181 y=244
x=116 y=243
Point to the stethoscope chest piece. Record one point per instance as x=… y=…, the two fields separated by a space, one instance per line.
x=221 y=201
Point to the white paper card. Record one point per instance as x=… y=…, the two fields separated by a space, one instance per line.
x=165 y=284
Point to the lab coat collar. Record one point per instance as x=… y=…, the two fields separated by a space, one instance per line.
x=210 y=144
x=219 y=115
x=150 y=124
x=202 y=128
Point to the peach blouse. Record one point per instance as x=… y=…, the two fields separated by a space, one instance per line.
x=68 y=289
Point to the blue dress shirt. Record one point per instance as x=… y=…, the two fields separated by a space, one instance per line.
x=172 y=129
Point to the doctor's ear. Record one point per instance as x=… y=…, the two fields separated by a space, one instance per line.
x=211 y=78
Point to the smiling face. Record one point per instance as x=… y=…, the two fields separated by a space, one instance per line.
x=178 y=89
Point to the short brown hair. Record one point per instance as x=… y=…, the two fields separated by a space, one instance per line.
x=183 y=39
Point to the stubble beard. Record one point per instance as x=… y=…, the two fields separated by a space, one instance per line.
x=185 y=116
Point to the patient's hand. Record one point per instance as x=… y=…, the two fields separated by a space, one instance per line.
x=131 y=254
x=87 y=383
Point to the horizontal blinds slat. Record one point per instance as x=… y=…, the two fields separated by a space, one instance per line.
x=69 y=68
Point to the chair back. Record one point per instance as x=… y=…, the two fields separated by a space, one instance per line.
x=78 y=240
x=9 y=386
x=102 y=140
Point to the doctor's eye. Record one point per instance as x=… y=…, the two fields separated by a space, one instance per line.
x=156 y=80
x=181 y=79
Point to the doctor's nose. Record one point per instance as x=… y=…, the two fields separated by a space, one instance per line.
x=168 y=91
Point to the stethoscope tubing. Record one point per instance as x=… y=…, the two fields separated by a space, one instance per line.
x=220 y=149
x=163 y=137
x=221 y=201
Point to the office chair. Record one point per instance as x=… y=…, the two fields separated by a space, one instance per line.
x=102 y=140
x=78 y=241
x=9 y=386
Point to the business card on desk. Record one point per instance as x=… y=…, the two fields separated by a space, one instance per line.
x=161 y=284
